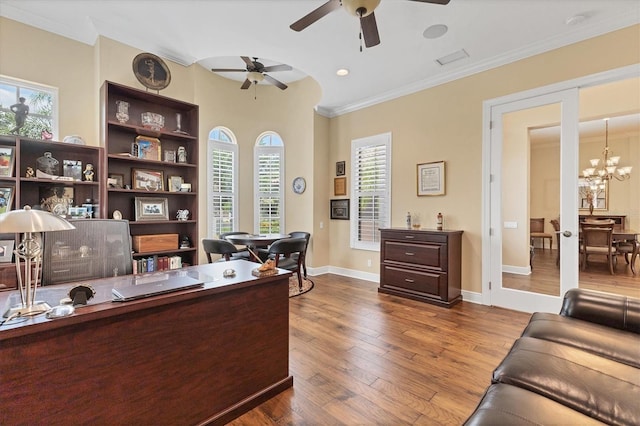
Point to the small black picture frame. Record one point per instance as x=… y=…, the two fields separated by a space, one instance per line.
x=340 y=168
x=340 y=209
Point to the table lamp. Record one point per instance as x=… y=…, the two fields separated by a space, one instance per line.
x=29 y=221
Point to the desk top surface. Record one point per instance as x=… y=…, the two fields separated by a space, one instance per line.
x=102 y=305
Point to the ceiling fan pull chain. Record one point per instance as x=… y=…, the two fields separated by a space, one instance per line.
x=360 y=37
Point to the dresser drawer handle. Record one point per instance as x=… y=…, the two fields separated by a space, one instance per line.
x=410 y=254
x=409 y=236
x=409 y=280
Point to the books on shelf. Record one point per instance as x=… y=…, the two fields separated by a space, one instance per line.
x=156 y=263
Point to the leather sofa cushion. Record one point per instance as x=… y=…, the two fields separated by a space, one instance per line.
x=608 y=309
x=509 y=405
x=612 y=343
x=598 y=387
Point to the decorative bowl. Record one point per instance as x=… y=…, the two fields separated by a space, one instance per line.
x=153 y=121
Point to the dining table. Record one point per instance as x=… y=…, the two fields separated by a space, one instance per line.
x=255 y=241
x=618 y=235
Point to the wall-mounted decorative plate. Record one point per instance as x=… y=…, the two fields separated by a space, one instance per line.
x=151 y=71
x=299 y=185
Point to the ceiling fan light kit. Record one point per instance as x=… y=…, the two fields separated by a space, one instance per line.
x=360 y=8
x=256 y=72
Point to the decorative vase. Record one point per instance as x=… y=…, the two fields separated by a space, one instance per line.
x=122 y=113
x=179 y=124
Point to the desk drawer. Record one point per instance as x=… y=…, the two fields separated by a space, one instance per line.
x=413 y=236
x=430 y=255
x=417 y=282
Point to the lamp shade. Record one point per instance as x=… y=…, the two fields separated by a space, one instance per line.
x=29 y=220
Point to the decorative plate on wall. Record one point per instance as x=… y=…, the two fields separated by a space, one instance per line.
x=151 y=71
x=299 y=185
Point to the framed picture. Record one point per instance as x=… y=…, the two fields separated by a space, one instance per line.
x=152 y=209
x=175 y=183
x=149 y=148
x=72 y=169
x=151 y=71
x=598 y=197
x=340 y=209
x=340 y=168
x=6 y=250
x=170 y=156
x=116 y=180
x=340 y=186
x=431 y=178
x=150 y=180
x=7 y=160
x=6 y=198
x=56 y=199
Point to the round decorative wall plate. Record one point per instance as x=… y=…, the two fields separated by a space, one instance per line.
x=299 y=185
x=151 y=71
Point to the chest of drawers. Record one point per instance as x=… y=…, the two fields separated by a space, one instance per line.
x=423 y=265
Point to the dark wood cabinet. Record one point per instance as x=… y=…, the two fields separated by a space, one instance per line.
x=30 y=190
x=180 y=133
x=423 y=265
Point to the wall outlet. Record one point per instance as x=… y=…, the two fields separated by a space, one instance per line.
x=321 y=225
x=510 y=225
x=369 y=263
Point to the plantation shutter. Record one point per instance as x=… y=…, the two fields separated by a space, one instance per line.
x=371 y=190
x=222 y=162
x=269 y=192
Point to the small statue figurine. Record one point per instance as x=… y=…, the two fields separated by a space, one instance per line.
x=21 y=110
x=182 y=154
x=185 y=242
x=29 y=172
x=183 y=215
x=88 y=172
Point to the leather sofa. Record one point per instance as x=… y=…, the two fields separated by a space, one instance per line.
x=579 y=367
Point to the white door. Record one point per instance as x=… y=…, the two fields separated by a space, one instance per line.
x=511 y=187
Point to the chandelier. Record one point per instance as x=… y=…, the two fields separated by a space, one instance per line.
x=599 y=174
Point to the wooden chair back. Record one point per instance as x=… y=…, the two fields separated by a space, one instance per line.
x=222 y=247
x=536 y=224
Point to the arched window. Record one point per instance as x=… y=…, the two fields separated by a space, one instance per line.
x=269 y=189
x=222 y=178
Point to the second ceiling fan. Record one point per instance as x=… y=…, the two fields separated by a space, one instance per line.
x=256 y=72
x=363 y=9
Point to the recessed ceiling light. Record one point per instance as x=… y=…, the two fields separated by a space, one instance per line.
x=342 y=72
x=435 y=31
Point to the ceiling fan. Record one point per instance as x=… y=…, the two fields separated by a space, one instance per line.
x=363 y=9
x=256 y=72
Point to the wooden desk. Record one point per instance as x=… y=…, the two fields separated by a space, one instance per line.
x=196 y=356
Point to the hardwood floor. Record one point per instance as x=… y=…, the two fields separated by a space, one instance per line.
x=545 y=277
x=360 y=357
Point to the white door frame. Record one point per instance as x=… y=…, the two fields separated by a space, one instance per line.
x=630 y=71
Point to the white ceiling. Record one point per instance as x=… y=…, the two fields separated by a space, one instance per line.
x=214 y=33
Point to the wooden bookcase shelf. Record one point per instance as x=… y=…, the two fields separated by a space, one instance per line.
x=118 y=139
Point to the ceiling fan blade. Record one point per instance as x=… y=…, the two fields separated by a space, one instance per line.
x=274 y=81
x=277 y=68
x=443 y=2
x=227 y=70
x=246 y=84
x=313 y=16
x=370 y=30
x=247 y=61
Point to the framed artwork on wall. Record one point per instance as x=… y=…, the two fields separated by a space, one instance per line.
x=340 y=186
x=340 y=168
x=340 y=209
x=431 y=178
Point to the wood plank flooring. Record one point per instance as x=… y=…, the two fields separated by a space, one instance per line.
x=545 y=277
x=360 y=357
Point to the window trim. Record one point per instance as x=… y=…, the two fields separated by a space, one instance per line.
x=383 y=139
x=232 y=146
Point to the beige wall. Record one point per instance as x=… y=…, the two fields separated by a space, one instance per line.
x=441 y=123
x=445 y=123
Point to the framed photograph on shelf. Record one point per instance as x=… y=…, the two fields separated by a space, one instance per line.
x=72 y=169
x=6 y=198
x=150 y=180
x=6 y=251
x=175 y=183
x=340 y=168
x=431 y=178
x=149 y=148
x=340 y=209
x=56 y=199
x=7 y=160
x=151 y=209
x=340 y=186
x=116 y=180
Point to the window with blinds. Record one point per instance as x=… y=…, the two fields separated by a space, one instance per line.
x=371 y=189
x=269 y=190
x=222 y=172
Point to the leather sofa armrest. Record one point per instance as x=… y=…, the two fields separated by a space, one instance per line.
x=611 y=310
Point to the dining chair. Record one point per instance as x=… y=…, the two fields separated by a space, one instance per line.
x=307 y=237
x=628 y=248
x=221 y=247
x=597 y=239
x=243 y=252
x=536 y=230
x=283 y=251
